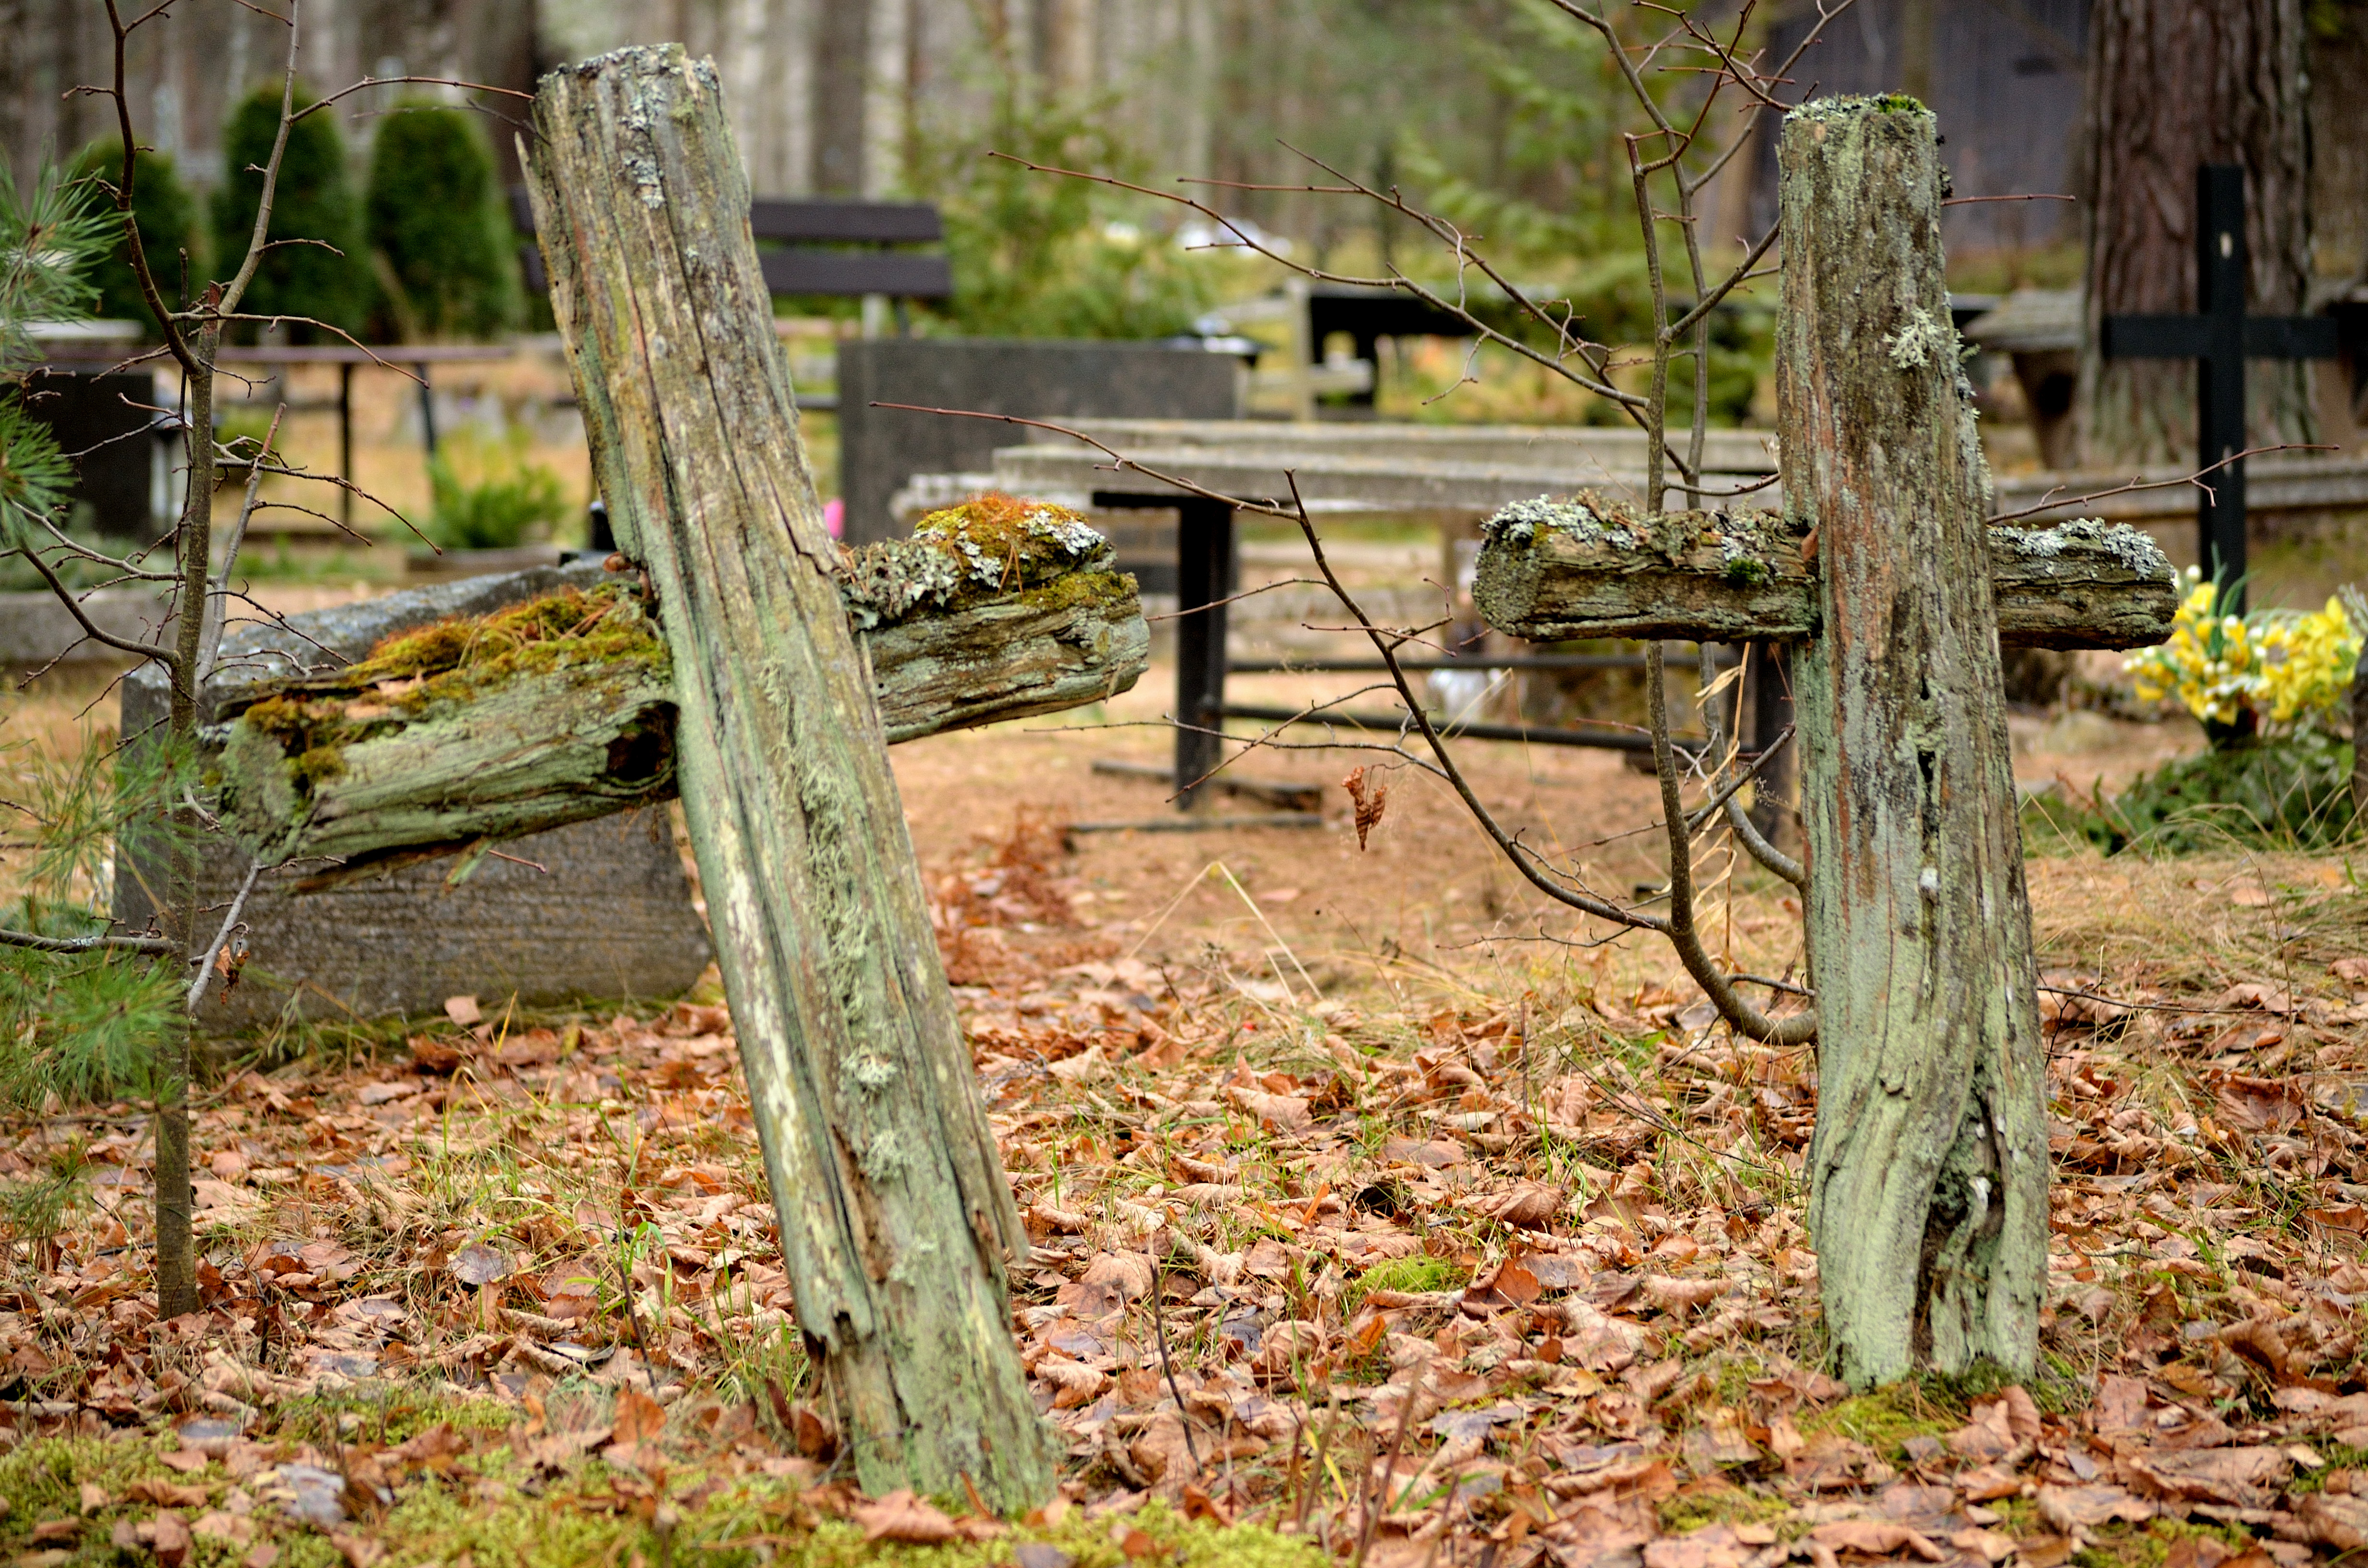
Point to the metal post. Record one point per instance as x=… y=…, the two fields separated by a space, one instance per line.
x=1204 y=576
x=2220 y=371
x=345 y=444
x=427 y=410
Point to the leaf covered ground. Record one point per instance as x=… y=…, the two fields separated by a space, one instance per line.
x=1486 y=1258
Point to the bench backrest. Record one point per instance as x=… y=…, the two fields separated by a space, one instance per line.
x=791 y=235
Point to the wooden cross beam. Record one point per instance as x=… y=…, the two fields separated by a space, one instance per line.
x=561 y=709
x=1927 y=1171
x=897 y=1220
x=1555 y=572
x=2219 y=338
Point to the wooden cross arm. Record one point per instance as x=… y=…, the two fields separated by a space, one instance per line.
x=1553 y=571
x=394 y=754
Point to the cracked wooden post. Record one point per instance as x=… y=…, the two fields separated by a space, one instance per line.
x=1927 y=1170
x=895 y=1216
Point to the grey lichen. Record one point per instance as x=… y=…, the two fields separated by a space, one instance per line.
x=988 y=545
x=2132 y=549
x=1920 y=340
x=1747 y=542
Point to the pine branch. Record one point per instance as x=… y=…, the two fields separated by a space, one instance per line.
x=83 y=944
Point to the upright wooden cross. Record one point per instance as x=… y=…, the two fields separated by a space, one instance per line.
x=2219 y=338
x=1927 y=1171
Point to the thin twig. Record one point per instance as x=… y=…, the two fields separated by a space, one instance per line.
x=230 y=922
x=1159 y=1330
x=2049 y=502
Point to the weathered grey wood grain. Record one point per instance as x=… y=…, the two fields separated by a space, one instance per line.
x=364 y=761
x=1927 y=1170
x=1557 y=571
x=895 y=1216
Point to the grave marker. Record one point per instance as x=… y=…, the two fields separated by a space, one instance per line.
x=2219 y=338
x=895 y=1216
x=1927 y=1169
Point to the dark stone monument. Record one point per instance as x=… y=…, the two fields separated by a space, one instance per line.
x=880 y=448
x=102 y=422
x=599 y=910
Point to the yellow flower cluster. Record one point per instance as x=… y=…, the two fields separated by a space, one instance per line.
x=2283 y=666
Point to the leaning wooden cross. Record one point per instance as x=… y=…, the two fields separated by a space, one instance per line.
x=753 y=694
x=1927 y=1170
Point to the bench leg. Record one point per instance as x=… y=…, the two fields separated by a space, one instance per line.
x=1204 y=576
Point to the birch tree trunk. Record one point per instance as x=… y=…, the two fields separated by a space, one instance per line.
x=1927 y=1171
x=895 y=1216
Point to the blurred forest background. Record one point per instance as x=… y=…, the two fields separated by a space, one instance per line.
x=1494 y=111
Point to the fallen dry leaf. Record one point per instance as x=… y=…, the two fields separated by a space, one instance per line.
x=903 y=1517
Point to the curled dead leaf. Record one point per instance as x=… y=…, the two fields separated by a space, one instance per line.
x=2069 y=1508
x=1875 y=1538
x=1076 y=1383
x=1369 y=798
x=1680 y=1296
x=901 y=1516
x=1528 y=1206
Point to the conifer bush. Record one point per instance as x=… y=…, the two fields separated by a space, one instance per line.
x=438 y=233
x=167 y=216
x=327 y=281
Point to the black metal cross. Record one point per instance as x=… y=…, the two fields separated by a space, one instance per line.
x=2220 y=337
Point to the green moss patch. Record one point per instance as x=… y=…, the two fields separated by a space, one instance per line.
x=451 y=663
x=496 y=1505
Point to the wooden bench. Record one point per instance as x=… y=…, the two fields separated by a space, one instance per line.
x=820 y=246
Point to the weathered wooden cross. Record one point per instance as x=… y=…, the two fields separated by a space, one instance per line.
x=1928 y=1167
x=755 y=696
x=2219 y=338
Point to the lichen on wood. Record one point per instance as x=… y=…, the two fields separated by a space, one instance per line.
x=895 y=1216
x=561 y=709
x=1557 y=570
x=551 y=712
x=1927 y=1169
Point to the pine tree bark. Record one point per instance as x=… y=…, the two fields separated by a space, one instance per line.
x=895 y=1216
x=2172 y=86
x=1927 y=1170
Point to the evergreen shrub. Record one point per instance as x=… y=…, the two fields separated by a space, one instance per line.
x=327 y=281
x=440 y=233
x=167 y=216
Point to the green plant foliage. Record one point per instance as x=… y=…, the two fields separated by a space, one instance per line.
x=438 y=231
x=48 y=241
x=84 y=1026
x=167 y=217
x=2293 y=793
x=489 y=497
x=323 y=278
x=1554 y=200
x=1039 y=256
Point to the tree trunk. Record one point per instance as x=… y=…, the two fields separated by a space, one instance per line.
x=894 y=1212
x=2172 y=86
x=1557 y=572
x=176 y=1195
x=402 y=752
x=1927 y=1171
